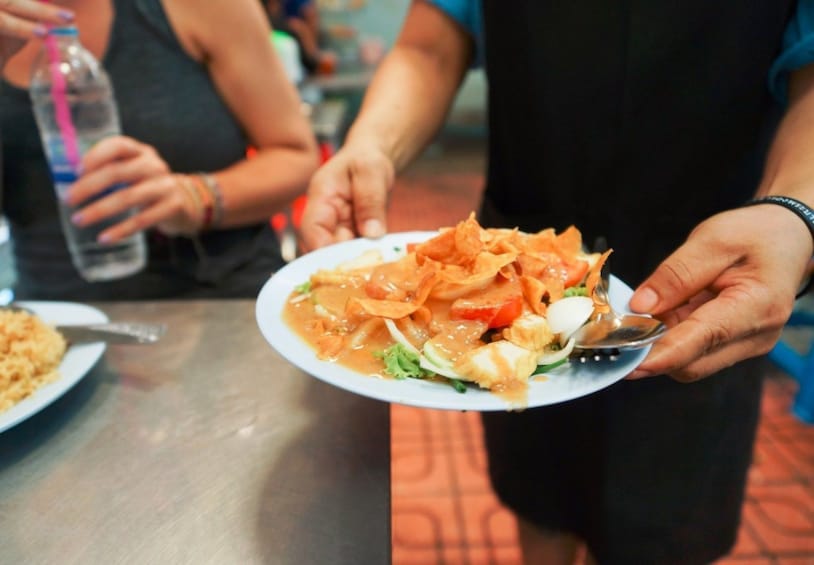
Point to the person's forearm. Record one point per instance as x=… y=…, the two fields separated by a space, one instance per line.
x=408 y=99
x=255 y=189
x=790 y=164
x=405 y=105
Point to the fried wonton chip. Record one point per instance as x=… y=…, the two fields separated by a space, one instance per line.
x=533 y=291
x=454 y=246
x=469 y=238
x=569 y=242
x=504 y=241
x=566 y=245
x=395 y=309
x=437 y=248
x=538 y=265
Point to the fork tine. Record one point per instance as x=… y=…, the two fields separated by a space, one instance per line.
x=586 y=355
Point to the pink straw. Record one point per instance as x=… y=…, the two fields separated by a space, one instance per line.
x=61 y=108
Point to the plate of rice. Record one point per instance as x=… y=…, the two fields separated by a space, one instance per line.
x=36 y=364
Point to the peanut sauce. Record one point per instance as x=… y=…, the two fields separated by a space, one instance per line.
x=453 y=337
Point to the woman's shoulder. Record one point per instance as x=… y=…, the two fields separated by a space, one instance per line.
x=204 y=28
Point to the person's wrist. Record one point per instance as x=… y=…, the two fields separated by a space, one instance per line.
x=803 y=212
x=798 y=207
x=193 y=205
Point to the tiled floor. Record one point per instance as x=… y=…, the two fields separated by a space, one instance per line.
x=443 y=509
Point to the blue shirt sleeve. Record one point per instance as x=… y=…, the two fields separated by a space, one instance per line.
x=465 y=12
x=468 y=14
x=798 y=49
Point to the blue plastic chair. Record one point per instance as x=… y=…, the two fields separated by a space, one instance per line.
x=800 y=367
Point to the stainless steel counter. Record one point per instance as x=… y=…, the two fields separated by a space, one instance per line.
x=205 y=448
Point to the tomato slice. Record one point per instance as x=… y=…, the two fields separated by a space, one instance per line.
x=574 y=272
x=508 y=312
x=497 y=306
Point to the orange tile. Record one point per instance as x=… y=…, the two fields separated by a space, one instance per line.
x=426 y=522
x=455 y=555
x=416 y=471
x=798 y=453
x=781 y=517
x=491 y=556
x=486 y=521
x=771 y=465
x=470 y=471
x=778 y=393
x=746 y=546
x=412 y=556
x=428 y=205
x=784 y=422
x=509 y=555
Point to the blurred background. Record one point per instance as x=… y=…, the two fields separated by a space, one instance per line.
x=331 y=74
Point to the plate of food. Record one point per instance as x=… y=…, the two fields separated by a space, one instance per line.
x=465 y=318
x=37 y=366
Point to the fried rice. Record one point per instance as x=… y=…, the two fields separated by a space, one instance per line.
x=30 y=354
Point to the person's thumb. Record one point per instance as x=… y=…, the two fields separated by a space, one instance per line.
x=685 y=273
x=371 y=185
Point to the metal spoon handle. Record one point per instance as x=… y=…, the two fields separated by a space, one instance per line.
x=114 y=333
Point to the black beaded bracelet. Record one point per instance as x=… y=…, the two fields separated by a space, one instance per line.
x=804 y=212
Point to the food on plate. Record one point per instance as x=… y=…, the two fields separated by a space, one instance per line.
x=486 y=306
x=30 y=354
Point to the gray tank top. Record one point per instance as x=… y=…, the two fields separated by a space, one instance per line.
x=167 y=100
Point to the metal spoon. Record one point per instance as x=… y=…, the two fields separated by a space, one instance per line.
x=614 y=330
x=617 y=331
x=109 y=332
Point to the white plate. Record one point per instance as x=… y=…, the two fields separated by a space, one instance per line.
x=78 y=360
x=564 y=383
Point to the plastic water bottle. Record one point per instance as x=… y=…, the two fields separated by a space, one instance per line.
x=74 y=107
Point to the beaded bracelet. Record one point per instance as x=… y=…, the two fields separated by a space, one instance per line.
x=803 y=212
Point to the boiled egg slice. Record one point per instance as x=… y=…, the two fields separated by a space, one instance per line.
x=565 y=316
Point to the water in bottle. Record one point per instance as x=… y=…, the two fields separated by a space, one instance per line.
x=74 y=108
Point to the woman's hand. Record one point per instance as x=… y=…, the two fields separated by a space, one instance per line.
x=348 y=197
x=726 y=293
x=22 y=20
x=162 y=200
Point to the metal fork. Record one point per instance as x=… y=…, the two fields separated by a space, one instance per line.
x=586 y=355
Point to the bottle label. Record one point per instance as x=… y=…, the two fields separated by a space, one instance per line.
x=64 y=176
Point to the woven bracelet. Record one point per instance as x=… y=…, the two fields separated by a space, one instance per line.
x=803 y=212
x=213 y=187
x=207 y=202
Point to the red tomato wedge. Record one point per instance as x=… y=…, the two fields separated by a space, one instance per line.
x=498 y=306
x=575 y=271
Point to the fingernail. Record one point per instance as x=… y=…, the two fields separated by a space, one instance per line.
x=77 y=218
x=66 y=15
x=644 y=300
x=105 y=238
x=40 y=31
x=373 y=228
